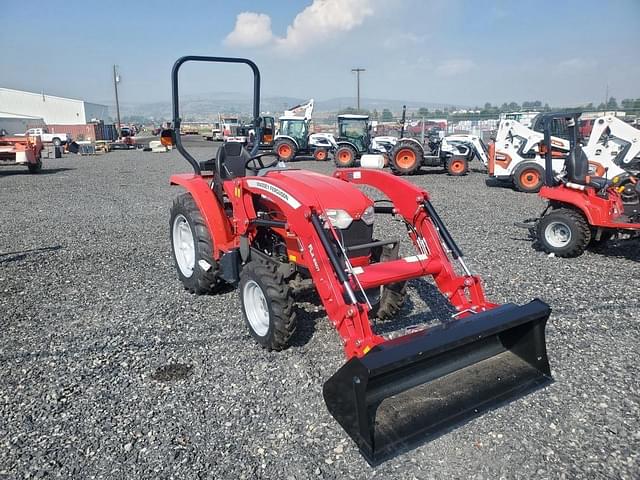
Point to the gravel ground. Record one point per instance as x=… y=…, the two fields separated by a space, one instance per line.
x=111 y=370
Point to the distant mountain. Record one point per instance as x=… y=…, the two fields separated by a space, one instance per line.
x=207 y=106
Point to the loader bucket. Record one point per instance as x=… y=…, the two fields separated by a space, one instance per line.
x=418 y=386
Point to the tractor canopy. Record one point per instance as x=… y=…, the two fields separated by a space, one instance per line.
x=354 y=129
x=296 y=128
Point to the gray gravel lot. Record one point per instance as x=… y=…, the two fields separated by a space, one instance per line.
x=92 y=311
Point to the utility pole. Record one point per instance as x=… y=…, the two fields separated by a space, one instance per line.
x=358 y=70
x=116 y=81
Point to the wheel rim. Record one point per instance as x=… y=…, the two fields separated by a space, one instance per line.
x=256 y=307
x=183 y=245
x=558 y=234
x=284 y=151
x=530 y=178
x=320 y=155
x=457 y=166
x=406 y=158
x=344 y=157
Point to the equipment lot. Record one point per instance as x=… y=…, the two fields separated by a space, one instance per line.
x=91 y=311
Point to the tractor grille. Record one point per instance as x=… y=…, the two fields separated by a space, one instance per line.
x=356 y=234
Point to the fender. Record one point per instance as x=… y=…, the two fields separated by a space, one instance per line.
x=412 y=140
x=295 y=142
x=598 y=211
x=212 y=212
x=340 y=143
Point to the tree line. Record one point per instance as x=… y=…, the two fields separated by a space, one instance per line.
x=493 y=111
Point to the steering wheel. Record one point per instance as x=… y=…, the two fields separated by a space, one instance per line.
x=258 y=159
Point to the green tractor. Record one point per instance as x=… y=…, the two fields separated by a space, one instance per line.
x=354 y=140
x=295 y=141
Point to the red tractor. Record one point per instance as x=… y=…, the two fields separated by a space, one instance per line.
x=267 y=228
x=582 y=210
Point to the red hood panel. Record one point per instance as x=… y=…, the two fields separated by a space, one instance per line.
x=321 y=190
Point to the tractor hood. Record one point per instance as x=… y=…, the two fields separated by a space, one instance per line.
x=320 y=191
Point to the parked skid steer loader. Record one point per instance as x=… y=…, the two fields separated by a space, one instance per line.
x=264 y=227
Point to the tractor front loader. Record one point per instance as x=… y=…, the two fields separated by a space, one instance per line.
x=268 y=228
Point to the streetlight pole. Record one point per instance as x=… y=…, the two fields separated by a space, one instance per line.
x=358 y=70
x=116 y=80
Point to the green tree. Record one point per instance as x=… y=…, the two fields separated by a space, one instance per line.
x=387 y=116
x=423 y=112
x=612 y=104
x=375 y=114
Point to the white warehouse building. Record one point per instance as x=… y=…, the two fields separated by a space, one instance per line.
x=53 y=110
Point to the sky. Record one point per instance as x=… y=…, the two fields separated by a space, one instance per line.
x=462 y=52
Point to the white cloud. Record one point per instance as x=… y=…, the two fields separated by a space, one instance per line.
x=450 y=68
x=576 y=63
x=403 y=40
x=319 y=21
x=251 y=30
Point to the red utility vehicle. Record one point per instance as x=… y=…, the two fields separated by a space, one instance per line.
x=274 y=231
x=582 y=210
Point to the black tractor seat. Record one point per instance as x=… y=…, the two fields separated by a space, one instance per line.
x=577 y=166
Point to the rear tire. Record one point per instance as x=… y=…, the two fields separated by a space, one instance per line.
x=345 y=156
x=320 y=154
x=56 y=141
x=406 y=159
x=563 y=232
x=192 y=247
x=285 y=149
x=528 y=178
x=35 y=167
x=267 y=304
x=457 y=166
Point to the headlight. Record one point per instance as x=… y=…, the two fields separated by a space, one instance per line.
x=368 y=215
x=339 y=218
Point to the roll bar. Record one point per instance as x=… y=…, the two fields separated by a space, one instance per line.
x=547 y=121
x=176 y=107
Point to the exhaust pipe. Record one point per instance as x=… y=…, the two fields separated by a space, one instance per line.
x=416 y=387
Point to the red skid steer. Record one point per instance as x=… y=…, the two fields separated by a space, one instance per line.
x=268 y=228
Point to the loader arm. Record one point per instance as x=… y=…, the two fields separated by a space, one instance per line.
x=618 y=129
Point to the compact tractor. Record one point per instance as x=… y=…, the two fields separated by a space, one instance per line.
x=294 y=138
x=582 y=209
x=408 y=155
x=354 y=140
x=267 y=228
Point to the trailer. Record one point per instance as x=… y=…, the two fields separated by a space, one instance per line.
x=25 y=151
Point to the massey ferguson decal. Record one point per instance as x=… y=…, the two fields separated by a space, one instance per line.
x=278 y=192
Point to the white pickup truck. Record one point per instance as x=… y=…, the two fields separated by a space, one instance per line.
x=46 y=137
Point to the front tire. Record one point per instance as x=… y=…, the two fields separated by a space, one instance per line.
x=457 y=166
x=563 y=232
x=320 y=154
x=35 y=167
x=285 y=149
x=267 y=304
x=192 y=247
x=345 y=156
x=57 y=142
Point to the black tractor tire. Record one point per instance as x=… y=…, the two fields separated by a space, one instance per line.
x=457 y=166
x=200 y=275
x=35 y=167
x=320 y=154
x=345 y=156
x=528 y=177
x=261 y=277
x=406 y=159
x=285 y=149
x=563 y=232
x=392 y=296
x=56 y=141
